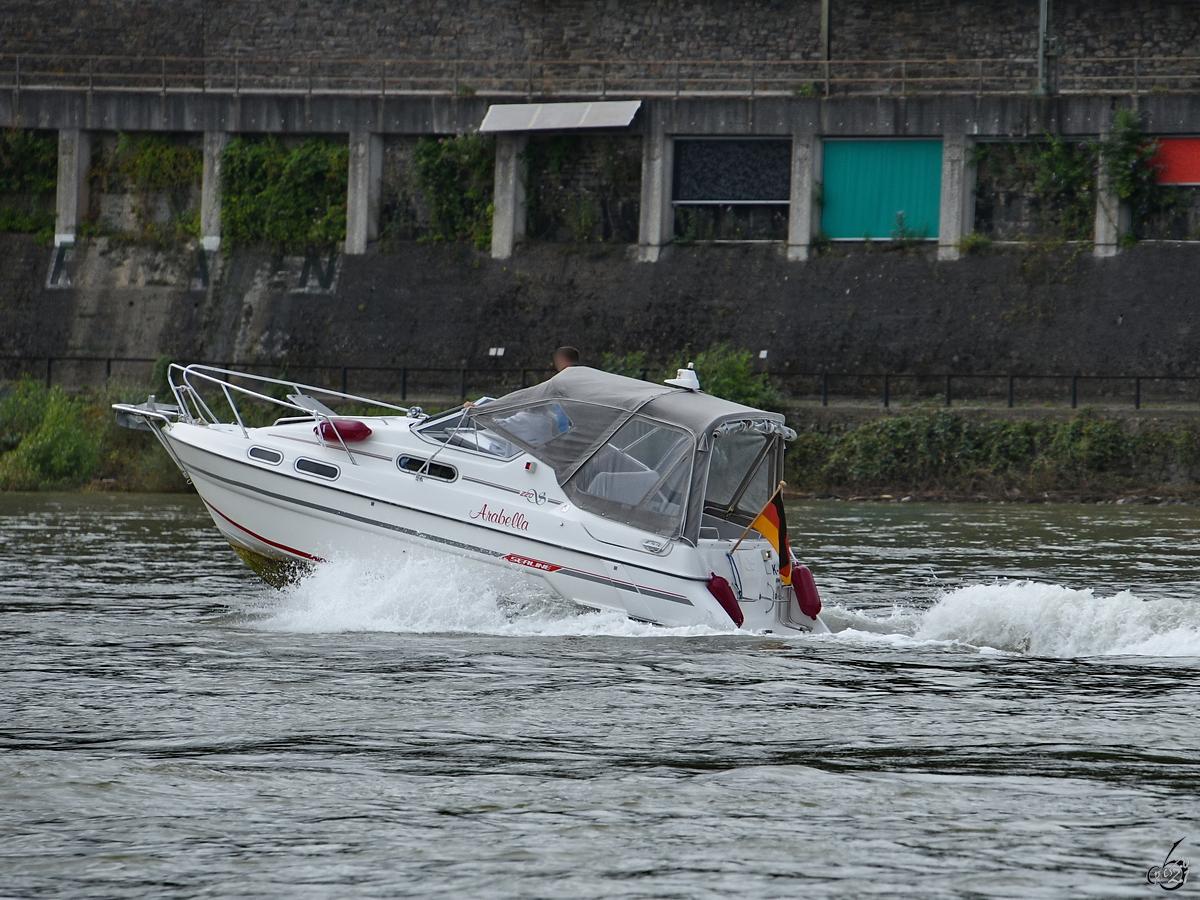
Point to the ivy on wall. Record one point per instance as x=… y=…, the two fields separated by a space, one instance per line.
x=1060 y=178
x=457 y=177
x=579 y=190
x=153 y=166
x=1129 y=161
x=292 y=200
x=28 y=176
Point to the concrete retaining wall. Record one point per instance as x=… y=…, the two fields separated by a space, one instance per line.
x=445 y=305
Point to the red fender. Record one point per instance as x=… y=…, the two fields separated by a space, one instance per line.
x=806 y=591
x=351 y=430
x=720 y=589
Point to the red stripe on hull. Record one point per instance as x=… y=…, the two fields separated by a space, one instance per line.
x=259 y=537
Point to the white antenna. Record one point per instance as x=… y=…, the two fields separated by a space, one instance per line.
x=685 y=378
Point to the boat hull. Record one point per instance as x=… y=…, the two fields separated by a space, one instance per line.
x=283 y=521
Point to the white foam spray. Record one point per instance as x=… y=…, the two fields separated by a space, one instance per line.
x=423 y=592
x=1055 y=621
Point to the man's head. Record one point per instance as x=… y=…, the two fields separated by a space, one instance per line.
x=565 y=357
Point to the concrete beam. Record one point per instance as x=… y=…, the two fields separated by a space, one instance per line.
x=1008 y=116
x=74 y=159
x=508 y=199
x=657 y=224
x=956 y=217
x=210 y=190
x=364 y=191
x=804 y=215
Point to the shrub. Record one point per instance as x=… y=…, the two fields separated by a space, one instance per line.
x=728 y=373
x=59 y=451
x=50 y=440
x=21 y=411
x=942 y=451
x=631 y=364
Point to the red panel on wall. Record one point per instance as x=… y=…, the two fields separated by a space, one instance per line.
x=1179 y=159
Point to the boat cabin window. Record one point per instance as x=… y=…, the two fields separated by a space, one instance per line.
x=312 y=467
x=457 y=429
x=265 y=454
x=740 y=474
x=536 y=425
x=640 y=477
x=436 y=470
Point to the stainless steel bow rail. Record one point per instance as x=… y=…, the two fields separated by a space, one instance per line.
x=593 y=78
x=446 y=384
x=186 y=383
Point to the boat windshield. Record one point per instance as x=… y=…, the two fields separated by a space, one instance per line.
x=740 y=474
x=640 y=477
x=456 y=429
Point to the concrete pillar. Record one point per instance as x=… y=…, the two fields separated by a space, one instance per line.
x=1112 y=218
x=657 y=215
x=210 y=191
x=508 y=199
x=364 y=191
x=804 y=215
x=74 y=159
x=956 y=217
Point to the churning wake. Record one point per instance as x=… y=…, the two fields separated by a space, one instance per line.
x=427 y=593
x=1036 y=619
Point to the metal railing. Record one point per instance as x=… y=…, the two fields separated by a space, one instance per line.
x=449 y=385
x=597 y=78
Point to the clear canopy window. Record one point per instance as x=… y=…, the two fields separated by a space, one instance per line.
x=740 y=473
x=457 y=429
x=536 y=425
x=640 y=477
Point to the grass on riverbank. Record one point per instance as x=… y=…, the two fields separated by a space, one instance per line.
x=52 y=440
x=946 y=455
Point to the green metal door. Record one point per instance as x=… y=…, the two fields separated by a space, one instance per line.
x=868 y=184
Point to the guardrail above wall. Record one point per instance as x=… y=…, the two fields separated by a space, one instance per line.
x=446 y=385
x=596 y=78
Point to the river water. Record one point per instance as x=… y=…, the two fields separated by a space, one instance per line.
x=1008 y=709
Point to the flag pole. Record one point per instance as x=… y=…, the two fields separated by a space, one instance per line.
x=779 y=487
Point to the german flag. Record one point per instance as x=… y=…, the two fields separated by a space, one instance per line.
x=772 y=524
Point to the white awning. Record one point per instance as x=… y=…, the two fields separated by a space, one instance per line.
x=559 y=116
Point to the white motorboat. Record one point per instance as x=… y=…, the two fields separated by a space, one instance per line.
x=618 y=494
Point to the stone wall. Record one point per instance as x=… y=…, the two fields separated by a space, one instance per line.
x=582 y=29
x=1033 y=311
x=1105 y=28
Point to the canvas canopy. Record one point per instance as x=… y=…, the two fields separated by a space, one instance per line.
x=630 y=450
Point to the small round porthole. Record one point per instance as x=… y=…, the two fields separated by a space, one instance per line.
x=265 y=454
x=320 y=469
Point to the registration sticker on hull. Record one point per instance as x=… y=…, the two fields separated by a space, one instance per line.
x=531 y=563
